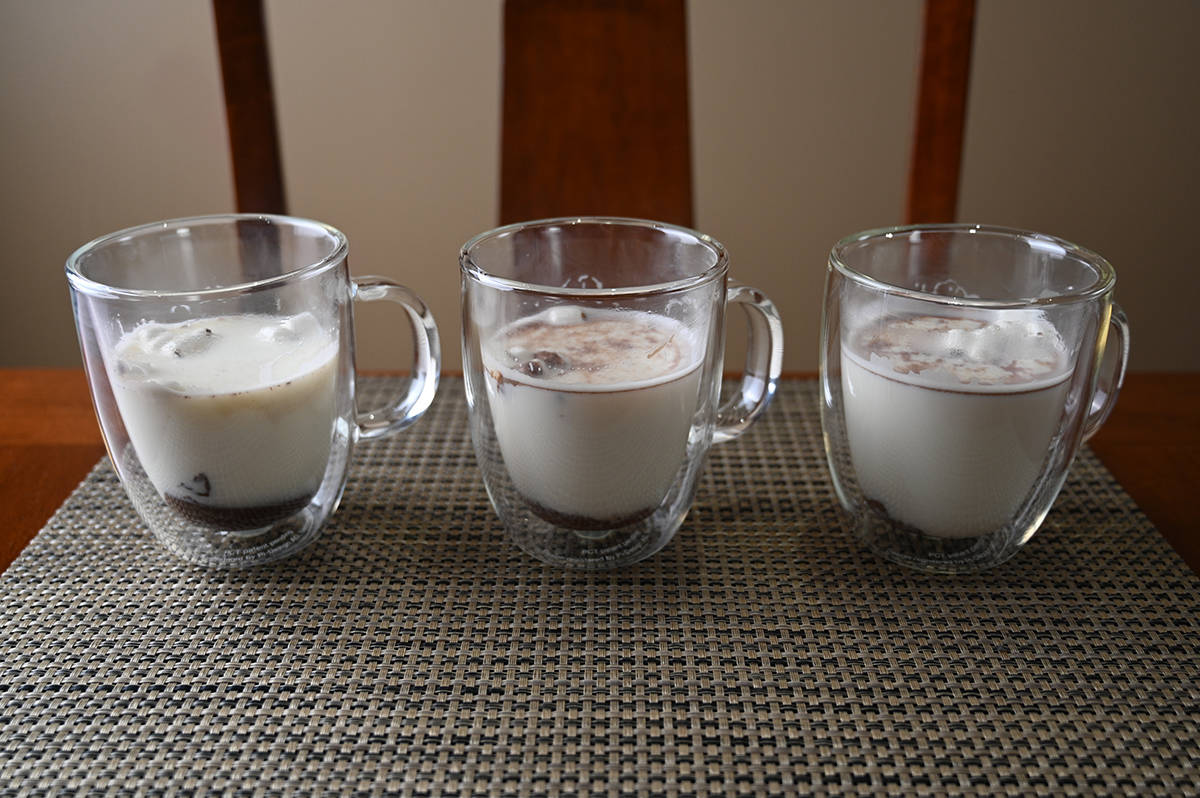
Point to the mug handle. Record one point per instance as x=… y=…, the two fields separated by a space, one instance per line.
x=427 y=359
x=764 y=362
x=1110 y=372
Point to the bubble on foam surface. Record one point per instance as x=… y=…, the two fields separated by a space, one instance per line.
x=290 y=331
x=277 y=334
x=561 y=315
x=193 y=342
x=133 y=370
x=543 y=363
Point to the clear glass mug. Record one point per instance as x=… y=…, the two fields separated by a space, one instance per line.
x=962 y=366
x=220 y=355
x=592 y=351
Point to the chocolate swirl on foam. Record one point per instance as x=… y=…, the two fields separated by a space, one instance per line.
x=1010 y=353
x=578 y=347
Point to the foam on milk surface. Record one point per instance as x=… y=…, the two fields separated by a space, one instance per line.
x=223 y=354
x=229 y=411
x=963 y=354
x=581 y=349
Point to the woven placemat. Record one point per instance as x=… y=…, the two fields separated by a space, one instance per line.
x=414 y=650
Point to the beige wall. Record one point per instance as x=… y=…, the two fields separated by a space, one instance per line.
x=1085 y=122
x=110 y=115
x=1082 y=122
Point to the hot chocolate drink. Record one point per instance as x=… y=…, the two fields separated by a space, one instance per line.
x=950 y=419
x=231 y=416
x=592 y=411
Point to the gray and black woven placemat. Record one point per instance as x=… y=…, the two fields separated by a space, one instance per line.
x=414 y=650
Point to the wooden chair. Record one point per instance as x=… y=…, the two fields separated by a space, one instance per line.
x=249 y=106
x=941 y=111
x=595 y=115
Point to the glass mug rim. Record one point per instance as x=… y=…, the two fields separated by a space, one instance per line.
x=471 y=267
x=80 y=281
x=1105 y=274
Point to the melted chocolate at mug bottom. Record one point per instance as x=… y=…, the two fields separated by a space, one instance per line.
x=583 y=523
x=235 y=518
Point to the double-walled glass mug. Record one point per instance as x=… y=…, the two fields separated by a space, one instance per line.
x=961 y=368
x=593 y=350
x=220 y=355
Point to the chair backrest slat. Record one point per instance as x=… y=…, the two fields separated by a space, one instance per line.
x=941 y=110
x=249 y=106
x=595 y=116
x=595 y=110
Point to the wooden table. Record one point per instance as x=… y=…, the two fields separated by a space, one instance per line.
x=49 y=440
